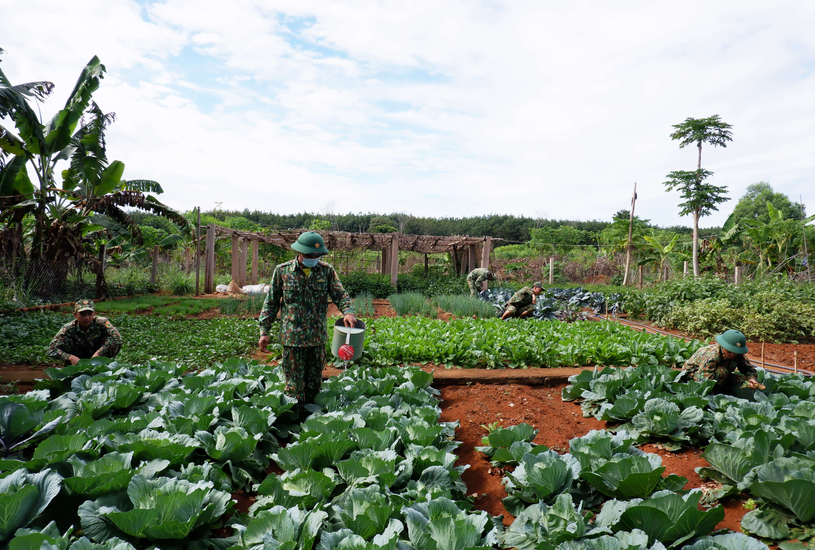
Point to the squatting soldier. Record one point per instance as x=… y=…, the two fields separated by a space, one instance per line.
x=522 y=303
x=85 y=337
x=720 y=361
x=300 y=290
x=476 y=278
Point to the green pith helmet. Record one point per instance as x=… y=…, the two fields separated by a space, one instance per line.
x=539 y=285
x=310 y=243
x=84 y=305
x=733 y=340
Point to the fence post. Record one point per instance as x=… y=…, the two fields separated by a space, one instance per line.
x=471 y=259
x=685 y=269
x=209 y=261
x=255 y=248
x=737 y=275
x=485 y=252
x=639 y=275
x=154 y=271
x=425 y=265
x=244 y=248
x=198 y=253
x=101 y=285
x=551 y=270
x=235 y=256
x=394 y=259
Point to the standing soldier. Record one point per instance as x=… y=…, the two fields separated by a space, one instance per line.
x=476 y=278
x=522 y=303
x=300 y=289
x=85 y=337
x=720 y=361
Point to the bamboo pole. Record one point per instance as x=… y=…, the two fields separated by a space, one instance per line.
x=630 y=235
x=198 y=253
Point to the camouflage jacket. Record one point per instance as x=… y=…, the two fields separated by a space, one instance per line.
x=522 y=298
x=303 y=302
x=479 y=275
x=72 y=340
x=709 y=358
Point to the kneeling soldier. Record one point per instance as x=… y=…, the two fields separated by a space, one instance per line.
x=85 y=337
x=720 y=361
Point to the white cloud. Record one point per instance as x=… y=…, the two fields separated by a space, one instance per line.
x=451 y=108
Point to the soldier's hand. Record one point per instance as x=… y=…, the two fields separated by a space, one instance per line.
x=263 y=342
x=753 y=384
x=349 y=320
x=73 y=359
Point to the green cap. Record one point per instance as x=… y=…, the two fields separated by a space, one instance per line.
x=84 y=305
x=310 y=243
x=733 y=340
x=537 y=284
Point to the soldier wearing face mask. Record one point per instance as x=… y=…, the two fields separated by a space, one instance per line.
x=300 y=290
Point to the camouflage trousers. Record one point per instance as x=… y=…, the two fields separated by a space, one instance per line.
x=303 y=369
x=730 y=383
x=518 y=311
x=475 y=289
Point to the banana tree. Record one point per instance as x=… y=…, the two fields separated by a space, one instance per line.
x=659 y=254
x=64 y=213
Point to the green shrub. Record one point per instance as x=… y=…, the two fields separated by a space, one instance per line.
x=179 y=283
x=251 y=304
x=359 y=282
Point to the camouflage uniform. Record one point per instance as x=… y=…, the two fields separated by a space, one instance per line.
x=475 y=278
x=304 y=330
x=72 y=340
x=521 y=302
x=708 y=363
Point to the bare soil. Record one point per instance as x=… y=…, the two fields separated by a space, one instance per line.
x=478 y=405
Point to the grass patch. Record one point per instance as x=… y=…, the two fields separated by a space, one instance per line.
x=413 y=303
x=139 y=303
x=251 y=304
x=187 y=306
x=465 y=306
x=364 y=305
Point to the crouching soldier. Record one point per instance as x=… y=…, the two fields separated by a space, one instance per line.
x=85 y=337
x=721 y=361
x=522 y=303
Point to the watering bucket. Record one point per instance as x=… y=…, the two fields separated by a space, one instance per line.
x=355 y=336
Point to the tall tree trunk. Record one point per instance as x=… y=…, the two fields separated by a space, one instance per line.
x=696 y=243
x=699 y=164
x=630 y=235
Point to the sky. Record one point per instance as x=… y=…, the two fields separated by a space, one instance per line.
x=449 y=108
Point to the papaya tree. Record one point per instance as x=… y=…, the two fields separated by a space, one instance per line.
x=700 y=198
x=69 y=211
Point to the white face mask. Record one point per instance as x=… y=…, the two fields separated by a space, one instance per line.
x=310 y=262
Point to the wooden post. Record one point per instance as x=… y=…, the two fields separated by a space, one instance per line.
x=630 y=235
x=737 y=275
x=101 y=285
x=551 y=270
x=685 y=269
x=383 y=265
x=485 y=252
x=255 y=249
x=198 y=253
x=762 y=355
x=242 y=259
x=639 y=276
x=209 y=261
x=394 y=257
x=235 y=258
x=795 y=361
x=154 y=270
x=425 y=265
x=471 y=263
x=454 y=256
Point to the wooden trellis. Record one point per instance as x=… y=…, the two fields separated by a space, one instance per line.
x=467 y=252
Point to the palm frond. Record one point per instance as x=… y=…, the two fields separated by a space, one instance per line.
x=112 y=211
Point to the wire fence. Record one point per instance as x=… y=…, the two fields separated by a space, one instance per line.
x=42 y=281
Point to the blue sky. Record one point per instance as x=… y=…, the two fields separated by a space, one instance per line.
x=451 y=108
